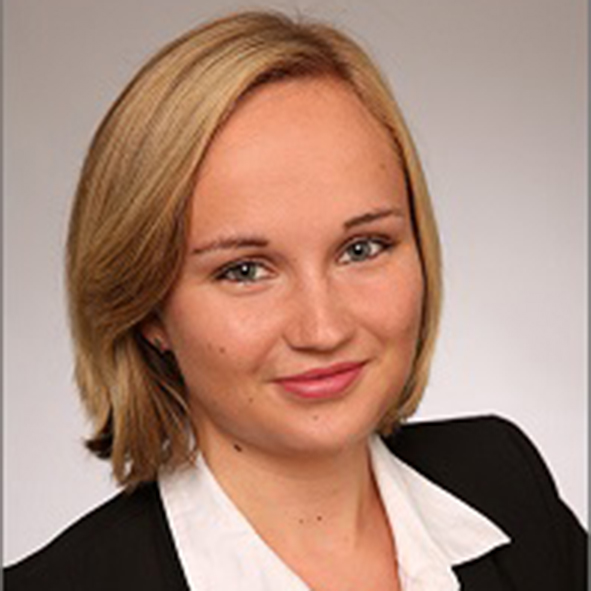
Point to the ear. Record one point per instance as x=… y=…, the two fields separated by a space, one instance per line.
x=154 y=331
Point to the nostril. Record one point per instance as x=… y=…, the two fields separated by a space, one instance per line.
x=319 y=326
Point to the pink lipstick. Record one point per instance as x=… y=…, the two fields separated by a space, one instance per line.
x=322 y=383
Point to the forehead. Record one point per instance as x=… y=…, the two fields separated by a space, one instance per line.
x=302 y=143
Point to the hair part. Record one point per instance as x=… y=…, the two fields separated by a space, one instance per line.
x=128 y=225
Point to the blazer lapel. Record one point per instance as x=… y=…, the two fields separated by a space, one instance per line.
x=481 y=574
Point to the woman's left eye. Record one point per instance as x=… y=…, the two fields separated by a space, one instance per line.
x=364 y=249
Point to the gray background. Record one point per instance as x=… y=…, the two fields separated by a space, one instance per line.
x=495 y=93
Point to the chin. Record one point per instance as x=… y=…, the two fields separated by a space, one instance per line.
x=324 y=437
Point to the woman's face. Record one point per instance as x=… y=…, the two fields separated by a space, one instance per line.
x=301 y=257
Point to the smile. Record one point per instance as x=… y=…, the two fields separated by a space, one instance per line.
x=323 y=383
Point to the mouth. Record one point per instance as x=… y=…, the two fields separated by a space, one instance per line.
x=323 y=383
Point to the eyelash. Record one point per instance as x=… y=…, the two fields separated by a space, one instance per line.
x=225 y=273
x=383 y=243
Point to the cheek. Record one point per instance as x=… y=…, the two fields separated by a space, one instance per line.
x=391 y=305
x=223 y=351
x=217 y=338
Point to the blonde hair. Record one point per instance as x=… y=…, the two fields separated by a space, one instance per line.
x=128 y=224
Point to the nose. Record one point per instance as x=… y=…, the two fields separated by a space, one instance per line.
x=320 y=320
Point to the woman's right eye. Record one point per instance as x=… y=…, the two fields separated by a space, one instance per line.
x=243 y=272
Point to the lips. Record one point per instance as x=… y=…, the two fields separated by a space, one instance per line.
x=322 y=383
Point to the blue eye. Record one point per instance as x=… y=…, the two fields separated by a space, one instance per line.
x=243 y=272
x=364 y=249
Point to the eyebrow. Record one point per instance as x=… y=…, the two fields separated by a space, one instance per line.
x=231 y=243
x=237 y=242
x=372 y=216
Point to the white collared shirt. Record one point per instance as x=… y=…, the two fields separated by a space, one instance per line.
x=219 y=549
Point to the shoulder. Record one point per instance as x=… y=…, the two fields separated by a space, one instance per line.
x=489 y=463
x=127 y=534
x=454 y=451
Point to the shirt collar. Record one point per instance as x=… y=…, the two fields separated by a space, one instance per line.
x=217 y=546
x=219 y=549
x=434 y=530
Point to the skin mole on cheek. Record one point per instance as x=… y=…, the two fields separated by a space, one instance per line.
x=318 y=517
x=237 y=447
x=250 y=399
x=222 y=350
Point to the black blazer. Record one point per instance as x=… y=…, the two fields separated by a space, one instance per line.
x=126 y=543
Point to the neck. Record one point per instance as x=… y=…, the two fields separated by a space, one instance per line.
x=294 y=502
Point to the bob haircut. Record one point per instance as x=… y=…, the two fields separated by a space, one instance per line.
x=128 y=224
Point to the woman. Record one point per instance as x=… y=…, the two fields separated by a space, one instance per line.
x=254 y=284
